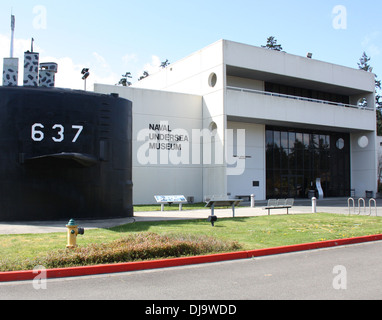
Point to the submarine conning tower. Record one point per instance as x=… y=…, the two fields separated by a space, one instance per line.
x=35 y=74
x=65 y=153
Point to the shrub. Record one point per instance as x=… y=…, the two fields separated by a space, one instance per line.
x=135 y=247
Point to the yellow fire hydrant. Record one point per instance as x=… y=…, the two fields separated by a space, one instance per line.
x=73 y=231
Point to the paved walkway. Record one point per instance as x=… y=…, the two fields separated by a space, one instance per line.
x=337 y=205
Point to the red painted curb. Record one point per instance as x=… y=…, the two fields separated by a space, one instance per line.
x=155 y=264
x=312 y=246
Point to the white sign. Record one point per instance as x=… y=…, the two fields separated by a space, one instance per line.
x=170 y=199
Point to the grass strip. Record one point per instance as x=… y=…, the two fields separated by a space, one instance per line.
x=250 y=233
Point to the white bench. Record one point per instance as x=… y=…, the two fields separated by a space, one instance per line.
x=170 y=200
x=279 y=204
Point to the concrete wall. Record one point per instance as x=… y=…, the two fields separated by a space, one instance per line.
x=254 y=169
x=201 y=73
x=163 y=172
x=364 y=162
x=299 y=68
x=190 y=74
x=283 y=110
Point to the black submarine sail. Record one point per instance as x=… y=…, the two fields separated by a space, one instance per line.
x=64 y=153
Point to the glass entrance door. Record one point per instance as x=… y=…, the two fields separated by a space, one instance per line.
x=292 y=186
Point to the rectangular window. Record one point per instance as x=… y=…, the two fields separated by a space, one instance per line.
x=299 y=158
x=305 y=93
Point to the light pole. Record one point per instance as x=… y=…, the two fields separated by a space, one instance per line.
x=85 y=73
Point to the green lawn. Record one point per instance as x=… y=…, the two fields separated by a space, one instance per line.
x=250 y=233
x=173 y=207
x=269 y=231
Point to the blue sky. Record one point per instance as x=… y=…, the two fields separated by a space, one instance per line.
x=115 y=36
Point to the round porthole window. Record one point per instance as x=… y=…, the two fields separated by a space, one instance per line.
x=340 y=144
x=363 y=142
x=212 y=79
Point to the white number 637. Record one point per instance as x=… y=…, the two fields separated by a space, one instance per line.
x=38 y=135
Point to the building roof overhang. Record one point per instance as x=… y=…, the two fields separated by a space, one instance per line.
x=292 y=81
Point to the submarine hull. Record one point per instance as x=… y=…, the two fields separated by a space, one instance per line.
x=64 y=154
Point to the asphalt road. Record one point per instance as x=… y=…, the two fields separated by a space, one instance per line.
x=349 y=272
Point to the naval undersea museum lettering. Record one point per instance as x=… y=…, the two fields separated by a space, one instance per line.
x=163 y=145
x=162 y=138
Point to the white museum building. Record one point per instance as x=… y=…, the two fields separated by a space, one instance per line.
x=234 y=120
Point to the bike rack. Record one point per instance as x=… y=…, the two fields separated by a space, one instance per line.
x=375 y=206
x=351 y=199
x=364 y=206
x=359 y=205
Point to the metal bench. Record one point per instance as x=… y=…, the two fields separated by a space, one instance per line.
x=279 y=204
x=221 y=203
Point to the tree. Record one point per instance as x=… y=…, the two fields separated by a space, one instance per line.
x=379 y=122
x=124 y=81
x=164 y=64
x=145 y=75
x=272 y=44
x=363 y=64
x=377 y=96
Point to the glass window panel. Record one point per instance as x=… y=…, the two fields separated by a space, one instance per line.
x=284 y=159
x=270 y=157
x=292 y=160
x=270 y=183
x=322 y=141
x=284 y=140
x=316 y=141
x=291 y=91
x=300 y=159
x=277 y=183
x=269 y=139
x=292 y=139
x=306 y=140
x=283 y=89
x=299 y=138
x=277 y=139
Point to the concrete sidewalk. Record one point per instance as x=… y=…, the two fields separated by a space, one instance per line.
x=337 y=205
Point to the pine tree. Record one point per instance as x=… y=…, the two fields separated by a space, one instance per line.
x=363 y=64
x=272 y=44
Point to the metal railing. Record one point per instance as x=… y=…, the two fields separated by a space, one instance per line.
x=281 y=95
